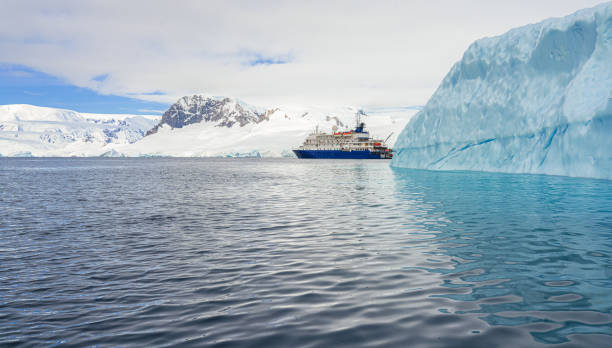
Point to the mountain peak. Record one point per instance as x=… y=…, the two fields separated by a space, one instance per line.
x=224 y=111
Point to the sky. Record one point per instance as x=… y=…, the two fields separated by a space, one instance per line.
x=140 y=56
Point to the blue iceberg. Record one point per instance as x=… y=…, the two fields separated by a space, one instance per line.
x=537 y=99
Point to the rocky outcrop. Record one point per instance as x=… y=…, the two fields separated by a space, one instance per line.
x=225 y=112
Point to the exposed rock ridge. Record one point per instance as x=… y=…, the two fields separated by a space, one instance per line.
x=225 y=112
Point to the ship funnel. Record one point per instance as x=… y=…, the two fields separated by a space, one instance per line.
x=359 y=125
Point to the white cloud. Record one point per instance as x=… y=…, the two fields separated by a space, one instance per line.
x=369 y=53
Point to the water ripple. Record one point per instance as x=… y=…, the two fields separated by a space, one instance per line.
x=288 y=253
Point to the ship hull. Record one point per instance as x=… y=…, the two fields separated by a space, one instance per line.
x=337 y=154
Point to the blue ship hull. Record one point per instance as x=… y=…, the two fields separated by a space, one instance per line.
x=337 y=154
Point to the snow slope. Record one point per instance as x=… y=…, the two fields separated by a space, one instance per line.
x=229 y=127
x=223 y=111
x=537 y=99
x=27 y=130
x=196 y=125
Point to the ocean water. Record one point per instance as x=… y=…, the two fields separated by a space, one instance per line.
x=290 y=253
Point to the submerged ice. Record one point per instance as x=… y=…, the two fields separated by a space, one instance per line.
x=537 y=99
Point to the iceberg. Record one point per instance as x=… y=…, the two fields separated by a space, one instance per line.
x=537 y=99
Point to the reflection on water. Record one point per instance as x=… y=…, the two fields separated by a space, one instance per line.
x=288 y=253
x=528 y=252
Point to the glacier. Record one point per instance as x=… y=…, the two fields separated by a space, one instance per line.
x=195 y=126
x=537 y=99
x=212 y=126
x=27 y=130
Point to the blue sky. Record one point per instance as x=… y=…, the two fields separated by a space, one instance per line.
x=118 y=56
x=23 y=85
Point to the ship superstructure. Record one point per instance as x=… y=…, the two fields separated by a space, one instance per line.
x=356 y=144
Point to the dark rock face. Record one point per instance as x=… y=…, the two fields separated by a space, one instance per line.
x=224 y=112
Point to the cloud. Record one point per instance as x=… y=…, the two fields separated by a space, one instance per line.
x=23 y=85
x=150 y=93
x=370 y=53
x=20 y=74
x=261 y=60
x=151 y=111
x=100 y=78
x=35 y=94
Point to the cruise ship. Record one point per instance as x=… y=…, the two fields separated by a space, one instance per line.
x=353 y=144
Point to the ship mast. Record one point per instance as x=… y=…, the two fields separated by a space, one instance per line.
x=359 y=125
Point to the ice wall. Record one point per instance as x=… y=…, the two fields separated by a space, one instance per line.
x=537 y=99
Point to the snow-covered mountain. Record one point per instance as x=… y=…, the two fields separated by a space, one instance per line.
x=27 y=130
x=196 y=125
x=225 y=112
x=212 y=126
x=537 y=99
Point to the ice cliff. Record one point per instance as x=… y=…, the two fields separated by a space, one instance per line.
x=537 y=99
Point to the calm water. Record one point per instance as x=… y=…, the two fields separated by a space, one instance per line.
x=289 y=253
